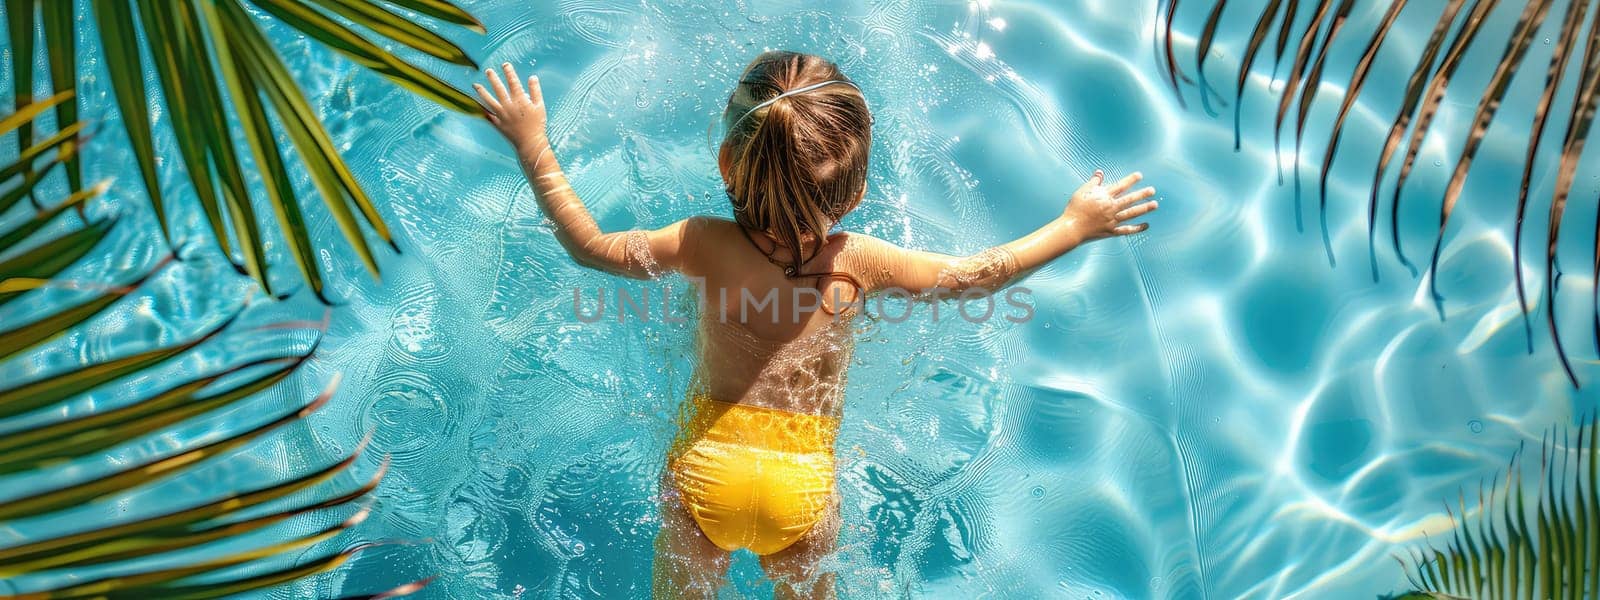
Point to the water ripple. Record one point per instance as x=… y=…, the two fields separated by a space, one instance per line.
x=1207 y=411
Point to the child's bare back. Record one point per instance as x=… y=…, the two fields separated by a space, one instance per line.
x=752 y=466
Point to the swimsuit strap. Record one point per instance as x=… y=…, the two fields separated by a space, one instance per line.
x=788 y=270
x=791 y=272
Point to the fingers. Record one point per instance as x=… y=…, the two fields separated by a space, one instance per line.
x=534 y=90
x=514 y=81
x=1136 y=211
x=1136 y=196
x=1123 y=184
x=1130 y=229
x=489 y=102
x=1095 y=179
x=499 y=87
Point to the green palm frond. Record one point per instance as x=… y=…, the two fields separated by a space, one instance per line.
x=119 y=552
x=1457 y=29
x=1507 y=547
x=211 y=58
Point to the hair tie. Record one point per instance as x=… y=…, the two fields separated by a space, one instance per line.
x=792 y=92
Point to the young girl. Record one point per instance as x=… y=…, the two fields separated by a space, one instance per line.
x=752 y=466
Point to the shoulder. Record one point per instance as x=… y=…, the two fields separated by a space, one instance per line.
x=854 y=246
x=695 y=241
x=863 y=256
x=695 y=229
x=707 y=225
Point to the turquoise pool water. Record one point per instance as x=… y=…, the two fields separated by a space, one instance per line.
x=1210 y=410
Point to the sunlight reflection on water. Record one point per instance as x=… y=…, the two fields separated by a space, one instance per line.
x=1208 y=410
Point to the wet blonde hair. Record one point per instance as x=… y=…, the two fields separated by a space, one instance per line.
x=795 y=166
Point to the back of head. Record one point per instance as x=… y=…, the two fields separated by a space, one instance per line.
x=797 y=165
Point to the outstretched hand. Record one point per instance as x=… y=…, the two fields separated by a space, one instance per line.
x=517 y=112
x=1101 y=211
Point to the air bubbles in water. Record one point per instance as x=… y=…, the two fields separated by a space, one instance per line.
x=1475 y=426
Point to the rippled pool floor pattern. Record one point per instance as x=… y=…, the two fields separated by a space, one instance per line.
x=1206 y=411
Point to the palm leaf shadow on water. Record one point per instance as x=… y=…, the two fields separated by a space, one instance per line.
x=1432 y=75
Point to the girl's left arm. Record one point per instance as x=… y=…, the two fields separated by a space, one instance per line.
x=519 y=114
x=1095 y=211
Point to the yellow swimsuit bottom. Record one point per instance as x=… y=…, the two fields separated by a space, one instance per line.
x=753 y=477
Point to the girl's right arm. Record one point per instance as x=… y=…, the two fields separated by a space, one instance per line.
x=519 y=114
x=1096 y=211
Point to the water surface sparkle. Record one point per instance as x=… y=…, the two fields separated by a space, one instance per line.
x=1206 y=411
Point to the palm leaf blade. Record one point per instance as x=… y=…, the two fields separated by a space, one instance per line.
x=218 y=142
x=33 y=395
x=1559 y=58
x=20 y=15
x=201 y=591
x=1291 y=84
x=61 y=42
x=1207 y=36
x=121 y=53
x=1358 y=80
x=38 y=331
x=328 y=172
x=63 y=142
x=1402 y=119
x=1259 y=35
x=1173 y=73
x=28 y=111
x=49 y=258
x=1571 y=150
x=31 y=179
x=161 y=37
x=32 y=226
x=1431 y=100
x=152 y=584
x=245 y=93
x=399 y=591
x=142 y=474
x=1516 y=48
x=318 y=26
x=1285 y=29
x=180 y=529
x=1308 y=95
x=442 y=10
x=63 y=440
x=372 y=16
x=1491 y=541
